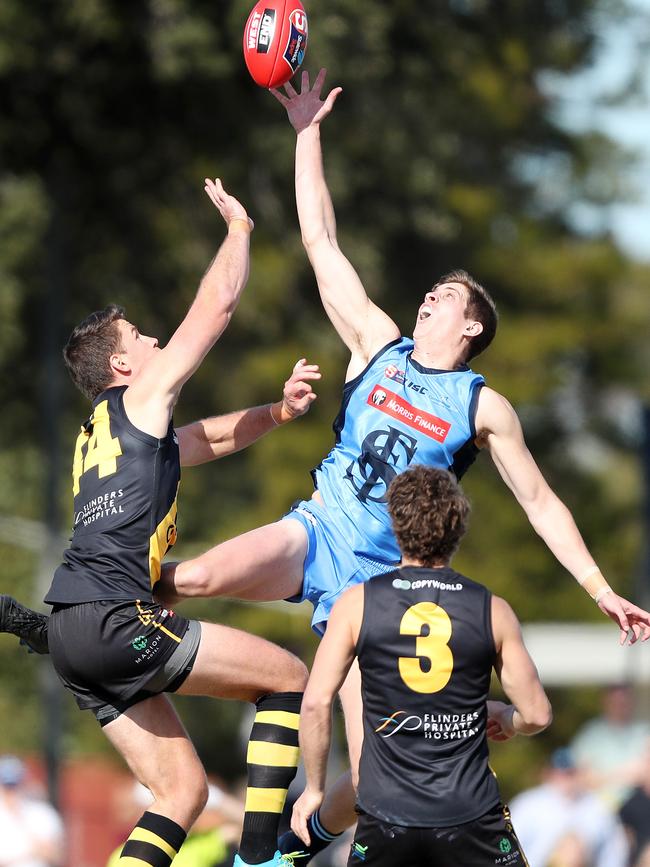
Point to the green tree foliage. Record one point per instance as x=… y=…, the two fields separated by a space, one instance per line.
x=443 y=151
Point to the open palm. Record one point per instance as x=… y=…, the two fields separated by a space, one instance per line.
x=307 y=107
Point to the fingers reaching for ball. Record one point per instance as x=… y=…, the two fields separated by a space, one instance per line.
x=228 y=206
x=306 y=108
x=298 y=394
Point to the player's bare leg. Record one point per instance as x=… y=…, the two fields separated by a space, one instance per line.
x=157 y=749
x=234 y=664
x=265 y=564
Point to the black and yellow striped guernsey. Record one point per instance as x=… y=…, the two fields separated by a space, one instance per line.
x=426 y=653
x=125 y=484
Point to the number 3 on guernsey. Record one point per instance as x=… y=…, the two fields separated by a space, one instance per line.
x=432 y=646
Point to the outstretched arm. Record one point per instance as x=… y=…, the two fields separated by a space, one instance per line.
x=362 y=326
x=331 y=665
x=499 y=429
x=149 y=401
x=211 y=438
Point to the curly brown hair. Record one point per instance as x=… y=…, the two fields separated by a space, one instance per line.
x=429 y=514
x=87 y=353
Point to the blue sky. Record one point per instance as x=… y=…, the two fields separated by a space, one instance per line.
x=624 y=49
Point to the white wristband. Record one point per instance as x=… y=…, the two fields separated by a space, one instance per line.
x=273 y=418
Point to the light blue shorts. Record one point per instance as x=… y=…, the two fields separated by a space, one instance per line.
x=331 y=565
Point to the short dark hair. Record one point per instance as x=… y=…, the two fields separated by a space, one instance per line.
x=480 y=306
x=429 y=514
x=89 y=348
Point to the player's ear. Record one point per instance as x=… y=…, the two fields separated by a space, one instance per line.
x=118 y=363
x=473 y=328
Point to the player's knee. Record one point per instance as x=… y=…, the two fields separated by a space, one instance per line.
x=297 y=674
x=202 y=793
x=181 y=792
x=192 y=578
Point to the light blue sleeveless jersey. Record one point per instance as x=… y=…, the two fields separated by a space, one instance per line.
x=396 y=413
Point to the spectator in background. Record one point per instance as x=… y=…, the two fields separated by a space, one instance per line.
x=561 y=824
x=31 y=831
x=635 y=815
x=609 y=749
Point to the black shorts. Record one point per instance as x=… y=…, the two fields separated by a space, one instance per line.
x=114 y=654
x=488 y=841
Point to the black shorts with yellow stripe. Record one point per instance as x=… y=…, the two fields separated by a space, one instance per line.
x=114 y=654
x=484 y=842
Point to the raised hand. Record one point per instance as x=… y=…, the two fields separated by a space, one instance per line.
x=633 y=621
x=228 y=206
x=298 y=395
x=306 y=108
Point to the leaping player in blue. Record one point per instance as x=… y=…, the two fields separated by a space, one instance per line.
x=405 y=402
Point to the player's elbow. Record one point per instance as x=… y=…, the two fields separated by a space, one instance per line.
x=311 y=236
x=315 y=704
x=547 y=514
x=316 y=239
x=538 y=716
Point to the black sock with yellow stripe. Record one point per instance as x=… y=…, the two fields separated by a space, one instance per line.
x=153 y=842
x=272 y=761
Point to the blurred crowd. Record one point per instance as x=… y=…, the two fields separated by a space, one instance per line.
x=31 y=830
x=590 y=809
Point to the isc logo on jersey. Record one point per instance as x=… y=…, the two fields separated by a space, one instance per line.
x=261 y=31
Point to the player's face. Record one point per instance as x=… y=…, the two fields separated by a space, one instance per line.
x=442 y=313
x=136 y=348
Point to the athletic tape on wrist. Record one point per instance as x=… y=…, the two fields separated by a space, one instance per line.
x=238 y=222
x=587 y=574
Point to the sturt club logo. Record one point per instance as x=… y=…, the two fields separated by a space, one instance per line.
x=384 y=453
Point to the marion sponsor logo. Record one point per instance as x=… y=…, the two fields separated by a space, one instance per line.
x=390 y=403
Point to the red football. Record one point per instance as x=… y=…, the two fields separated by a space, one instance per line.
x=275 y=41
